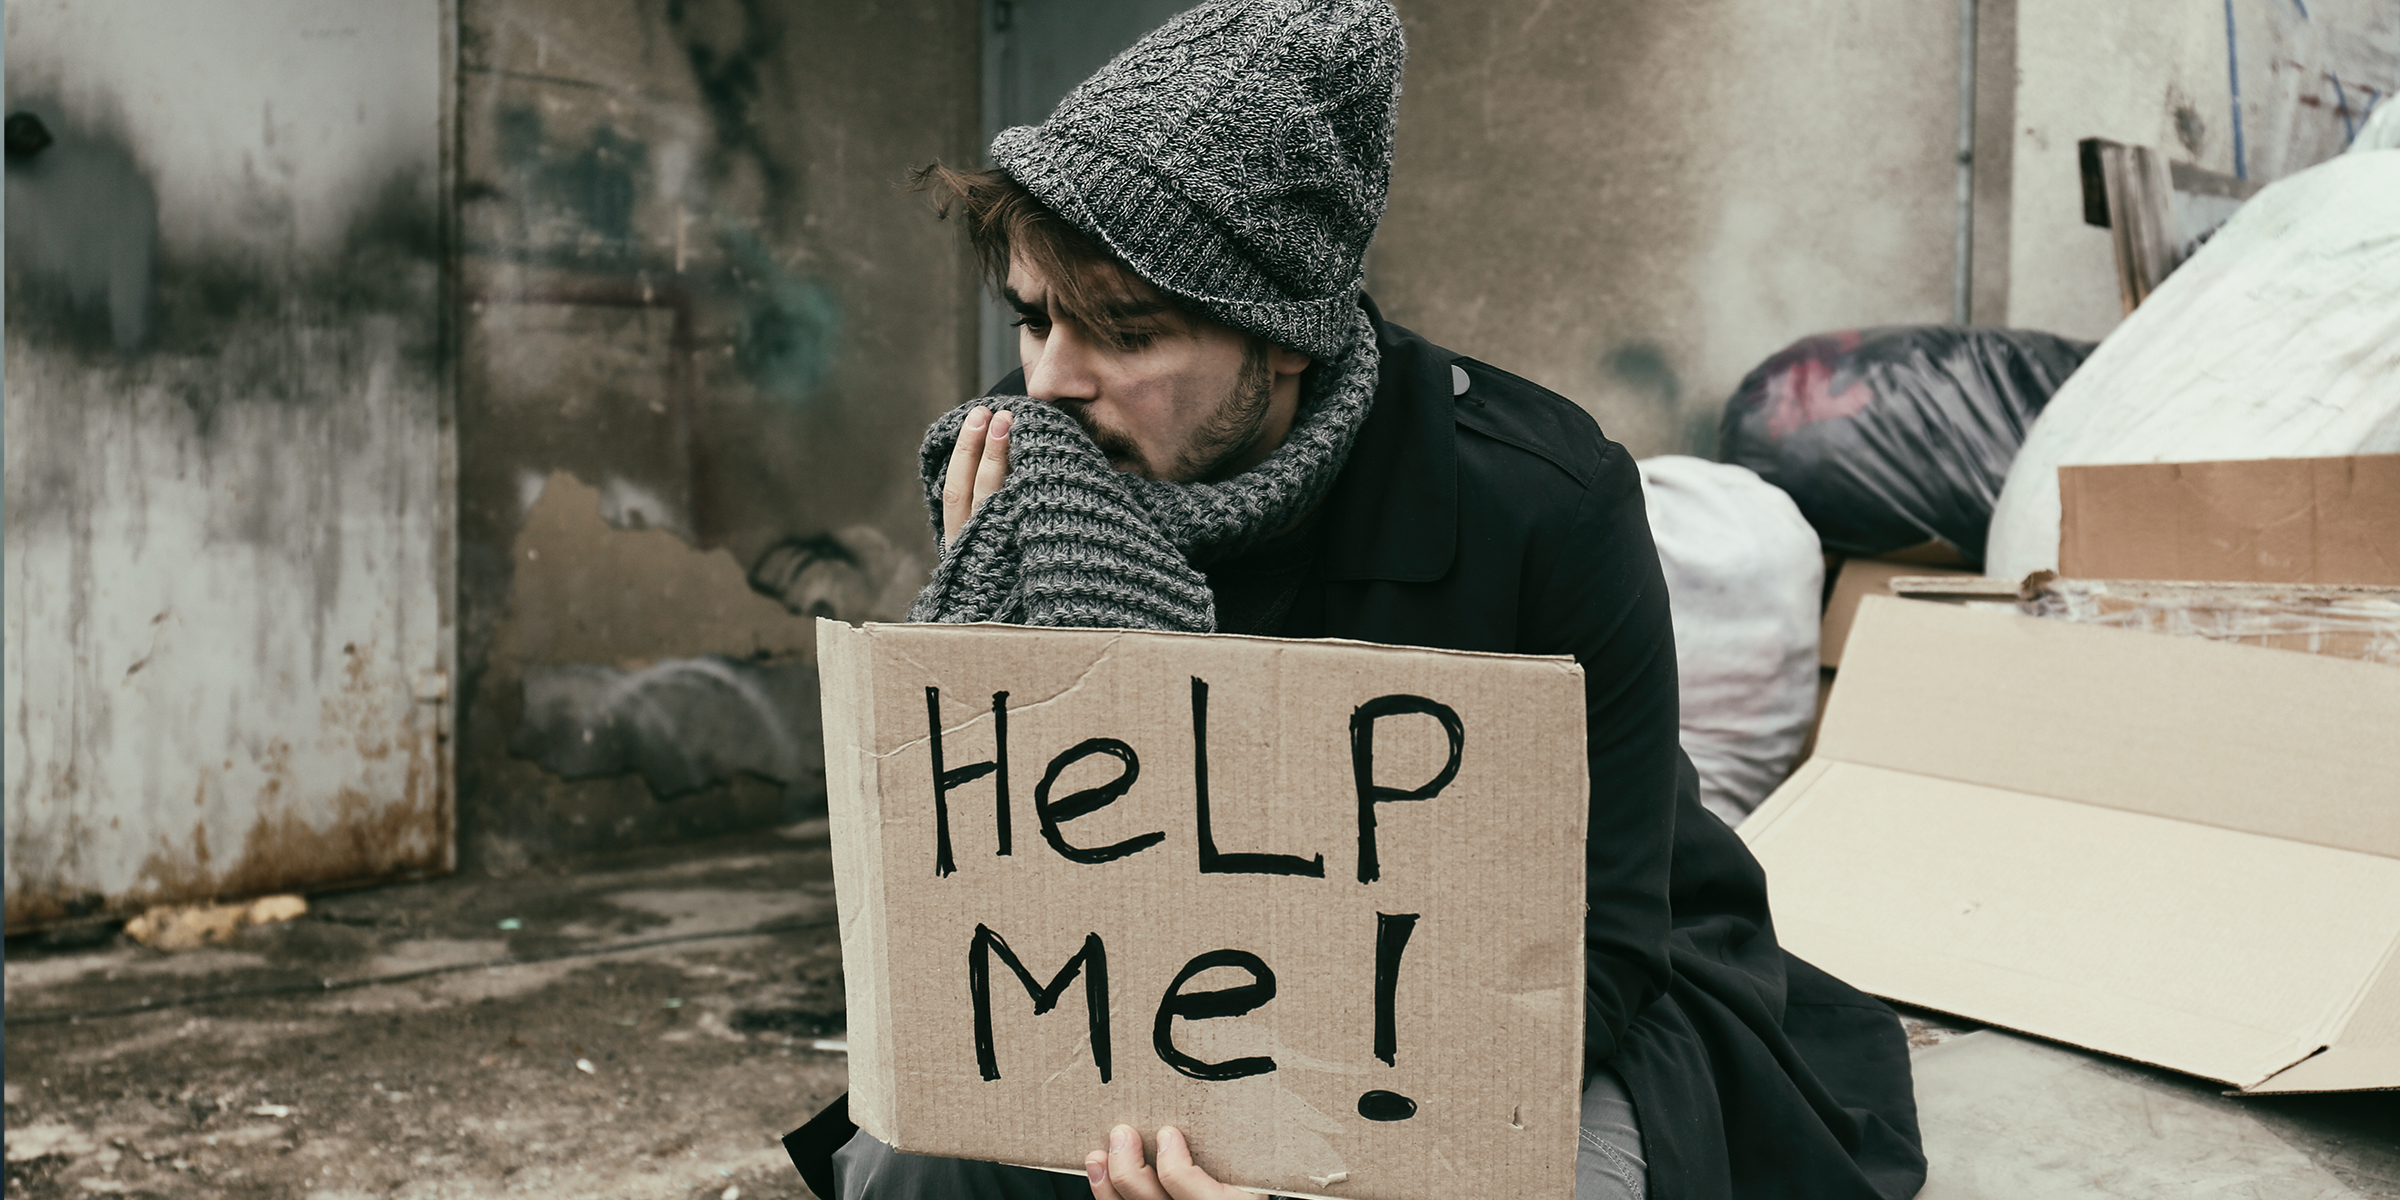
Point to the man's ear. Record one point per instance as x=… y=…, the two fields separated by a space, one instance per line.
x=1285 y=361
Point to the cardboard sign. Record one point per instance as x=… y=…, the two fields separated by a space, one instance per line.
x=1318 y=904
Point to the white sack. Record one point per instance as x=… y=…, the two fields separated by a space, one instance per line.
x=1744 y=578
x=2279 y=339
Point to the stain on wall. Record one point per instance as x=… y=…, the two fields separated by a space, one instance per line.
x=704 y=329
x=83 y=225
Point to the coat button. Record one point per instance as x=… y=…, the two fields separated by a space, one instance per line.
x=1458 y=380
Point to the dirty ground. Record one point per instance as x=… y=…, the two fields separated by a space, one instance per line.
x=648 y=1026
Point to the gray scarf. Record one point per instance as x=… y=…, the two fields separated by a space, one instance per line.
x=1070 y=541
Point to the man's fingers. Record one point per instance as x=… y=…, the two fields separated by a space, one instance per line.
x=1131 y=1177
x=1095 y=1167
x=993 y=469
x=1183 y=1179
x=958 y=482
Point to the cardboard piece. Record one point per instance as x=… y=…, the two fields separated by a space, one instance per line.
x=2277 y=520
x=1860 y=578
x=1969 y=590
x=1414 y=1035
x=2167 y=849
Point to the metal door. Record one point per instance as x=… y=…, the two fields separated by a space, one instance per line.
x=230 y=509
x=1034 y=51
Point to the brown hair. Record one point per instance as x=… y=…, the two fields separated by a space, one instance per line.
x=1002 y=218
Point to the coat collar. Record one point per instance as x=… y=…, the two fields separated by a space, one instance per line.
x=1393 y=512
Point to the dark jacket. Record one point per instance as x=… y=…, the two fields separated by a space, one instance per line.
x=1501 y=519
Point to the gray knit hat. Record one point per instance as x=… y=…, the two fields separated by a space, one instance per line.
x=1236 y=158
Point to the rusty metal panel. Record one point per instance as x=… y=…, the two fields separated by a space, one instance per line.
x=230 y=473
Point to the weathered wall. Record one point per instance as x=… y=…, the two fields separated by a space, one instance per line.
x=2150 y=74
x=1632 y=204
x=2162 y=74
x=228 y=495
x=697 y=290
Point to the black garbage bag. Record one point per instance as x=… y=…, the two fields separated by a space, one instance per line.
x=1895 y=437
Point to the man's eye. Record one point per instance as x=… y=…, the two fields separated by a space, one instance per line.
x=1134 y=341
x=1034 y=325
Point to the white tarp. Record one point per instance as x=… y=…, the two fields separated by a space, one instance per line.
x=2279 y=339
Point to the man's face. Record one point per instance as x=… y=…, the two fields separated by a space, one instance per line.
x=1174 y=396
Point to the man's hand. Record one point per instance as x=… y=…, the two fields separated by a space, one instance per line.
x=977 y=465
x=1120 y=1174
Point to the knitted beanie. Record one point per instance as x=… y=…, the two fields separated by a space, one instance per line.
x=1236 y=158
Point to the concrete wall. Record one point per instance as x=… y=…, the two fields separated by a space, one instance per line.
x=2162 y=74
x=705 y=329
x=1633 y=204
x=2150 y=74
x=228 y=477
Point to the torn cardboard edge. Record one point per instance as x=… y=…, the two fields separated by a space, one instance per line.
x=1150 y=1155
x=2160 y=848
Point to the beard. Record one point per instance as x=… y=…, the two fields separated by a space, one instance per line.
x=1230 y=430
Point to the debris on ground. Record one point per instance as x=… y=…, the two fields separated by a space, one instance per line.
x=284 y=1077
x=176 y=927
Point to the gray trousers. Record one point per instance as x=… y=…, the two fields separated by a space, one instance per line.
x=1608 y=1163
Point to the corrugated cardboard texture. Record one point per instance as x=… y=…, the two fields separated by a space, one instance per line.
x=1484 y=1023
x=2163 y=848
x=2278 y=520
x=857 y=871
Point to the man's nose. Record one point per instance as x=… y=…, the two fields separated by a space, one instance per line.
x=1061 y=368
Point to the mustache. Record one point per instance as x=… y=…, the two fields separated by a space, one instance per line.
x=1112 y=441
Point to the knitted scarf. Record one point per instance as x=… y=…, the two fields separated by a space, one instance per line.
x=1070 y=541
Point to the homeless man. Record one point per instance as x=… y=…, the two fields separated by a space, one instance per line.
x=1216 y=430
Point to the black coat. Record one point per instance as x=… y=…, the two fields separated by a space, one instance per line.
x=1501 y=519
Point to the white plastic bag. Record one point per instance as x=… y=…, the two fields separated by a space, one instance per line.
x=2279 y=339
x=1744 y=577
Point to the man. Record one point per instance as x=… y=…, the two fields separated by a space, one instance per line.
x=1216 y=430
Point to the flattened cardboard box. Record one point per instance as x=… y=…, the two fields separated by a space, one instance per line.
x=2168 y=849
x=1859 y=579
x=1318 y=904
x=2272 y=520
